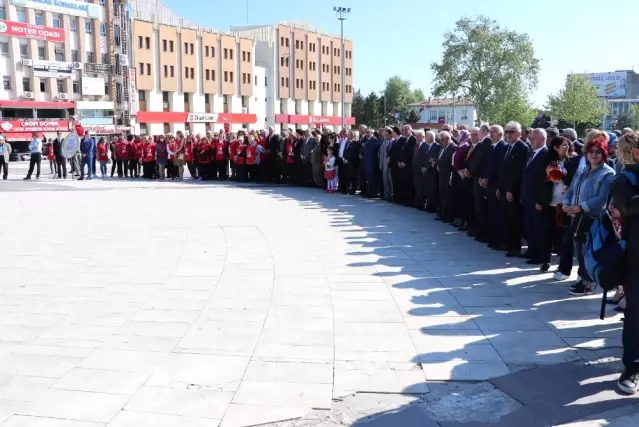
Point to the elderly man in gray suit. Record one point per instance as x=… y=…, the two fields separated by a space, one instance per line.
x=420 y=165
x=384 y=167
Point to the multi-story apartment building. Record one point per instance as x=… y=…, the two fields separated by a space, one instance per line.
x=305 y=67
x=57 y=59
x=135 y=65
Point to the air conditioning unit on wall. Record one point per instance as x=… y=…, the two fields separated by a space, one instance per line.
x=26 y=63
x=28 y=95
x=77 y=65
x=63 y=96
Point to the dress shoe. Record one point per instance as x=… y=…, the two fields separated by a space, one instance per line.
x=545 y=267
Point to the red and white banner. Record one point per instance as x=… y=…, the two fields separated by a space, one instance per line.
x=313 y=120
x=31 y=31
x=34 y=125
x=104 y=129
x=184 y=117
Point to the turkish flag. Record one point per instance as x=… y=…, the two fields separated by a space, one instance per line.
x=79 y=129
x=226 y=127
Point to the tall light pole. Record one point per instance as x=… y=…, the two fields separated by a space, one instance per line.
x=341 y=15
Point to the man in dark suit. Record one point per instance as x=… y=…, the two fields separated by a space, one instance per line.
x=60 y=161
x=406 y=166
x=444 y=170
x=273 y=156
x=420 y=163
x=432 y=179
x=535 y=198
x=509 y=188
x=489 y=182
x=369 y=163
x=307 y=148
x=350 y=161
x=394 y=156
x=481 y=149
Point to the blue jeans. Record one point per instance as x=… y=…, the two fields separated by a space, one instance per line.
x=88 y=162
x=103 y=167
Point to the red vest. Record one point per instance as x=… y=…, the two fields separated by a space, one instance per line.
x=251 y=154
x=240 y=151
x=290 y=156
x=233 y=149
x=149 y=152
x=138 y=150
x=102 y=153
x=204 y=156
x=50 y=155
x=172 y=150
x=220 y=149
x=123 y=150
x=188 y=152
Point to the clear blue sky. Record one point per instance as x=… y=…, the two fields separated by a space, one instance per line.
x=403 y=37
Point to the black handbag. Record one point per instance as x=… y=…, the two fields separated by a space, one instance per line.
x=584 y=223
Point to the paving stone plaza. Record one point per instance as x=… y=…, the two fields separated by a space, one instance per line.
x=174 y=304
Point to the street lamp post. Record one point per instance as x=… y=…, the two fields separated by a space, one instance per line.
x=341 y=15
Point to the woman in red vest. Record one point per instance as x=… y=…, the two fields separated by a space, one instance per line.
x=138 y=153
x=289 y=160
x=253 y=154
x=240 y=158
x=51 y=157
x=232 y=143
x=103 y=156
x=205 y=158
x=221 y=157
x=189 y=157
x=122 y=148
x=162 y=156
x=148 y=158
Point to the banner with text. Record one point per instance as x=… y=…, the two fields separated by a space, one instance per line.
x=34 y=125
x=30 y=31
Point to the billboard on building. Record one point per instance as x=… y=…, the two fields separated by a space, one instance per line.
x=92 y=86
x=68 y=7
x=609 y=85
x=54 y=69
x=31 y=31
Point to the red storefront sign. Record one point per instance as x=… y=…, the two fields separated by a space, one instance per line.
x=34 y=125
x=104 y=129
x=313 y=120
x=184 y=117
x=31 y=31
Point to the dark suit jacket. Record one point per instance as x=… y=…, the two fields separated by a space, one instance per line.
x=445 y=162
x=478 y=156
x=572 y=165
x=408 y=151
x=395 y=151
x=351 y=151
x=534 y=188
x=420 y=160
x=492 y=163
x=274 y=143
x=512 y=169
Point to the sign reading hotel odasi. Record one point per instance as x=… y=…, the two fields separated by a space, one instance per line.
x=31 y=31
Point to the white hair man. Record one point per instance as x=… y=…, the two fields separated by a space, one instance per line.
x=445 y=169
x=478 y=157
x=5 y=157
x=404 y=191
x=510 y=178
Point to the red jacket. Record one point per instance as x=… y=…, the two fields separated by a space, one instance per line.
x=240 y=153
x=205 y=153
x=290 y=155
x=102 y=152
x=123 y=150
x=233 y=149
x=171 y=146
x=251 y=154
x=50 y=154
x=188 y=151
x=149 y=152
x=138 y=150
x=220 y=150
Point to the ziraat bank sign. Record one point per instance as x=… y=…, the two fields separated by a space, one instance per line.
x=202 y=118
x=68 y=7
x=34 y=125
x=30 y=31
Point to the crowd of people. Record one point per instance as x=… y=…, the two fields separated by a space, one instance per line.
x=501 y=185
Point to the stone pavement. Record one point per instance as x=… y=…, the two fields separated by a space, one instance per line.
x=132 y=303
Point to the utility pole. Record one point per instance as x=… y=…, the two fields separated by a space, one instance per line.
x=247 y=12
x=341 y=15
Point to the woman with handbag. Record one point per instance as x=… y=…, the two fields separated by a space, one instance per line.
x=585 y=199
x=179 y=155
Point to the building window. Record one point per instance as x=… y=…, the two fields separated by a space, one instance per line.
x=74 y=55
x=226 y=53
x=60 y=85
x=192 y=48
x=147 y=42
x=105 y=58
x=41 y=52
x=76 y=86
x=90 y=57
x=192 y=73
x=297 y=44
x=212 y=51
x=464 y=115
x=206 y=50
x=231 y=54
x=226 y=76
x=186 y=72
x=186 y=47
x=87 y=27
x=287 y=82
x=208 y=74
x=286 y=40
x=141 y=68
x=24 y=51
x=3 y=13
x=282 y=81
x=282 y=61
x=72 y=24
x=43 y=85
x=282 y=41
x=164 y=45
x=26 y=84
x=4 y=49
x=141 y=96
x=243 y=56
x=6 y=82
x=213 y=75
x=231 y=76
x=166 y=71
x=38 y=19
x=255 y=80
x=140 y=42
x=21 y=16
x=148 y=69
x=102 y=29
x=172 y=68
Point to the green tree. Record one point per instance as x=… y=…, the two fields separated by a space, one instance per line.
x=371 y=110
x=487 y=65
x=357 y=108
x=412 y=117
x=577 y=102
x=634 y=112
x=627 y=120
x=398 y=95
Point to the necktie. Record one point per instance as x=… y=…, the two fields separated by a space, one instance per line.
x=510 y=147
x=531 y=156
x=472 y=147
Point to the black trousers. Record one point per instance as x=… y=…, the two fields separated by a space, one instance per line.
x=148 y=170
x=396 y=178
x=36 y=160
x=114 y=165
x=496 y=234
x=350 y=177
x=511 y=213
x=432 y=191
x=480 y=224
x=630 y=334
x=467 y=206
x=566 y=246
x=123 y=167
x=4 y=167
x=192 y=169
x=133 y=167
x=308 y=174
x=289 y=173
x=545 y=231
x=419 y=181
x=445 y=199
x=62 y=167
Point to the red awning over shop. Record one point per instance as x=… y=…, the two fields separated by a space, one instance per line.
x=50 y=105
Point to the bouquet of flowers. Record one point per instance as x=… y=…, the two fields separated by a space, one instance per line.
x=554 y=173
